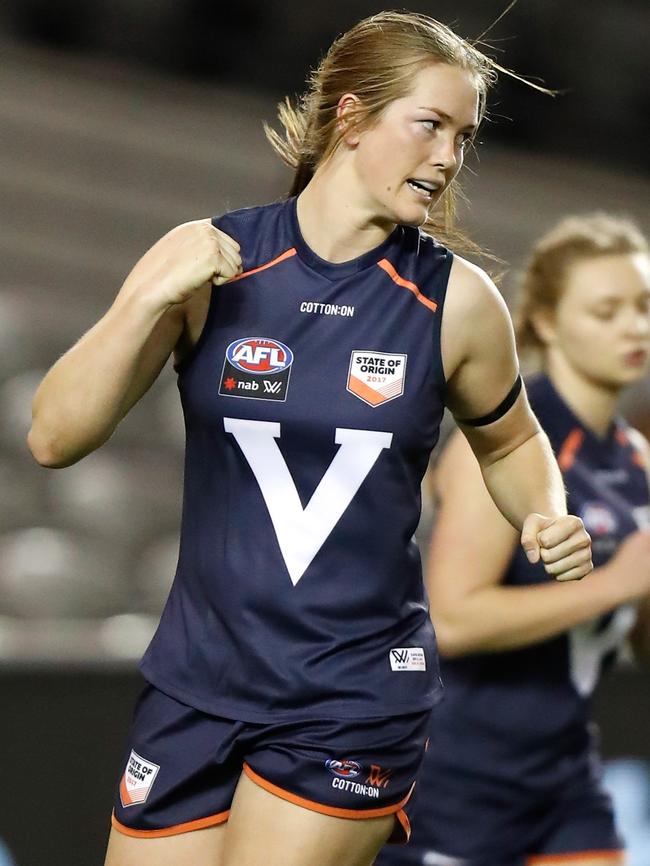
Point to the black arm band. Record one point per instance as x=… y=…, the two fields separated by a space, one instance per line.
x=499 y=412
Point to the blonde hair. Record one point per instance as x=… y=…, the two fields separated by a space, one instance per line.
x=376 y=60
x=573 y=239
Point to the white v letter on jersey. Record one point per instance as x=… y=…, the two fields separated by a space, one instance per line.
x=302 y=532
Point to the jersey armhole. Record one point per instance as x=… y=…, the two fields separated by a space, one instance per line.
x=439 y=368
x=182 y=366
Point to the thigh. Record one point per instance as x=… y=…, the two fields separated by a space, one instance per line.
x=264 y=828
x=198 y=848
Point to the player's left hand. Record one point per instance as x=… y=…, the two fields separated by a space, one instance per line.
x=562 y=543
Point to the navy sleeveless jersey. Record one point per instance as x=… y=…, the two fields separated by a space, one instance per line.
x=522 y=716
x=312 y=402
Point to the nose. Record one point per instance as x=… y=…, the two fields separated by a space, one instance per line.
x=638 y=323
x=444 y=153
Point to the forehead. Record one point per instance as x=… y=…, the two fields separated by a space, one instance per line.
x=608 y=276
x=450 y=89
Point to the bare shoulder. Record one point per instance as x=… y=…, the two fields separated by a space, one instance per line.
x=475 y=316
x=470 y=288
x=642 y=448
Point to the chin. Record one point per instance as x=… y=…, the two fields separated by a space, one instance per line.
x=412 y=216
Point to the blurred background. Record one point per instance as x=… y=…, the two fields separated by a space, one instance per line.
x=120 y=119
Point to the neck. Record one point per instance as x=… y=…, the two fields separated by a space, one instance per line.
x=593 y=402
x=334 y=219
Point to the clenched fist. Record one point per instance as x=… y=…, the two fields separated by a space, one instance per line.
x=182 y=261
x=562 y=543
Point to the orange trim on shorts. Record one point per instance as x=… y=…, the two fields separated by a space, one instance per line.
x=175 y=830
x=578 y=857
x=276 y=261
x=403 y=819
x=385 y=265
x=570 y=447
x=333 y=811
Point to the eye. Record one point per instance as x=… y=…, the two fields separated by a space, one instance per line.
x=430 y=125
x=464 y=140
x=603 y=314
x=643 y=305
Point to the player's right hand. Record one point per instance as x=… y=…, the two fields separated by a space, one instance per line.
x=183 y=260
x=630 y=565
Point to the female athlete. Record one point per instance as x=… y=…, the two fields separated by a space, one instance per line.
x=317 y=340
x=512 y=773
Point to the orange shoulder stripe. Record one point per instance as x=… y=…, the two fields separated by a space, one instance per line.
x=276 y=261
x=570 y=447
x=385 y=265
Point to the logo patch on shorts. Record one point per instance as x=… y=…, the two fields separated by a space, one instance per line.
x=256 y=368
x=137 y=780
x=409 y=658
x=376 y=377
x=343 y=767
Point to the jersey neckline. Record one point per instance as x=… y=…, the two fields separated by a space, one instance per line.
x=574 y=420
x=337 y=270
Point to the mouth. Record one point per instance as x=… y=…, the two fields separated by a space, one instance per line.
x=637 y=358
x=424 y=189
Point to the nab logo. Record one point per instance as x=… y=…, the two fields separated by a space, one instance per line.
x=345 y=768
x=378 y=776
x=259 y=355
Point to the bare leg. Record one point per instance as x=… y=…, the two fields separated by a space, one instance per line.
x=197 y=848
x=265 y=829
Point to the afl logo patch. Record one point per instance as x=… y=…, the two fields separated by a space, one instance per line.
x=376 y=377
x=256 y=368
x=598 y=519
x=259 y=355
x=344 y=767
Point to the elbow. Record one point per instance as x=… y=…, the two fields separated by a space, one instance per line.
x=451 y=639
x=45 y=451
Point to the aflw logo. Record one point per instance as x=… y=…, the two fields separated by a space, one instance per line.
x=408 y=658
x=378 y=776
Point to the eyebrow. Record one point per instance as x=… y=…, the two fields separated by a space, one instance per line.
x=617 y=299
x=446 y=116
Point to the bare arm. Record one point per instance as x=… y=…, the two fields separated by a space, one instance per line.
x=90 y=389
x=471 y=548
x=514 y=454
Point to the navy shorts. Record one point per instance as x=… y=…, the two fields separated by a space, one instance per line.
x=510 y=828
x=182 y=766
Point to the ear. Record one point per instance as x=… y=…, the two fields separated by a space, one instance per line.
x=348 y=106
x=544 y=325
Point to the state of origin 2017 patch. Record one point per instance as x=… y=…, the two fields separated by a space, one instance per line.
x=256 y=368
